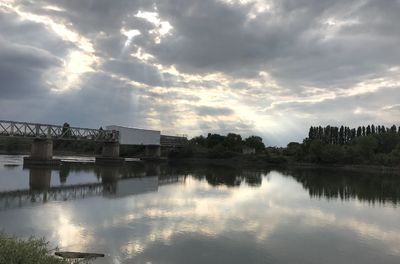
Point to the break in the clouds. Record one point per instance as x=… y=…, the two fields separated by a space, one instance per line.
x=271 y=68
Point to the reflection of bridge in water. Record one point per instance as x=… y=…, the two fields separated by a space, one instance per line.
x=112 y=185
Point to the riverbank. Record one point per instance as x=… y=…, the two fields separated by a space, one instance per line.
x=258 y=161
x=261 y=161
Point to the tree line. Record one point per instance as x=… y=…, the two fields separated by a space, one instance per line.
x=344 y=134
x=371 y=144
x=216 y=146
x=231 y=141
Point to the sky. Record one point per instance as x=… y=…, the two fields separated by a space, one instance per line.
x=271 y=68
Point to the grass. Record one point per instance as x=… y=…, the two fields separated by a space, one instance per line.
x=15 y=250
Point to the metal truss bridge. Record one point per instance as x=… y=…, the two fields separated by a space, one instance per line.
x=33 y=130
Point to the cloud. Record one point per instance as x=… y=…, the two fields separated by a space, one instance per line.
x=138 y=71
x=395 y=107
x=213 y=111
x=281 y=64
x=22 y=69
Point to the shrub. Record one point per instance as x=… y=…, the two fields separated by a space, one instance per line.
x=26 y=251
x=220 y=152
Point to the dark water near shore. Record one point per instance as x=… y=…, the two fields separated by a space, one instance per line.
x=149 y=213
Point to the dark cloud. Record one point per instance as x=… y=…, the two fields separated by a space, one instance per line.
x=213 y=111
x=21 y=69
x=101 y=101
x=138 y=71
x=28 y=51
x=291 y=41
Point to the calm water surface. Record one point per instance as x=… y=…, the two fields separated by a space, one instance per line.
x=147 y=213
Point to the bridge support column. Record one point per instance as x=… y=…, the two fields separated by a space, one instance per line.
x=110 y=154
x=41 y=153
x=152 y=152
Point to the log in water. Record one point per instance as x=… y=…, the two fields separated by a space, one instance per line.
x=69 y=254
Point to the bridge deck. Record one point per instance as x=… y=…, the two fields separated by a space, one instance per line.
x=34 y=130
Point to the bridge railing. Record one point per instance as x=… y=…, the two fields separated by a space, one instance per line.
x=33 y=130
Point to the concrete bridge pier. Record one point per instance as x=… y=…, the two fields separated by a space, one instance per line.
x=110 y=154
x=41 y=153
x=152 y=152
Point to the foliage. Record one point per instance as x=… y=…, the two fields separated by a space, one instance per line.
x=365 y=186
x=185 y=152
x=26 y=251
x=219 y=146
x=376 y=145
x=13 y=144
x=255 y=142
x=77 y=146
x=220 y=152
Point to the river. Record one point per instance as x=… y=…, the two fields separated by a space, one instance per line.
x=151 y=213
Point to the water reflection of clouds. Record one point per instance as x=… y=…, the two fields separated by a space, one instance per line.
x=265 y=217
x=214 y=218
x=68 y=233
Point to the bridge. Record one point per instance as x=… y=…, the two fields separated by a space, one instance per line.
x=111 y=138
x=29 y=197
x=34 y=130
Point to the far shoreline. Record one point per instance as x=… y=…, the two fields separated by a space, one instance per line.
x=255 y=161
x=237 y=162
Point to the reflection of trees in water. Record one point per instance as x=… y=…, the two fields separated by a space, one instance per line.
x=215 y=175
x=229 y=176
x=344 y=185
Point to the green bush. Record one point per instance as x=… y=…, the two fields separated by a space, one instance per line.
x=28 y=251
x=277 y=160
x=332 y=154
x=185 y=152
x=220 y=152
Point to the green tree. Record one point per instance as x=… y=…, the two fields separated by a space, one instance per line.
x=341 y=135
x=233 y=142
x=255 y=142
x=332 y=154
x=368 y=131
x=367 y=145
x=214 y=139
x=359 y=132
x=311 y=133
x=200 y=140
